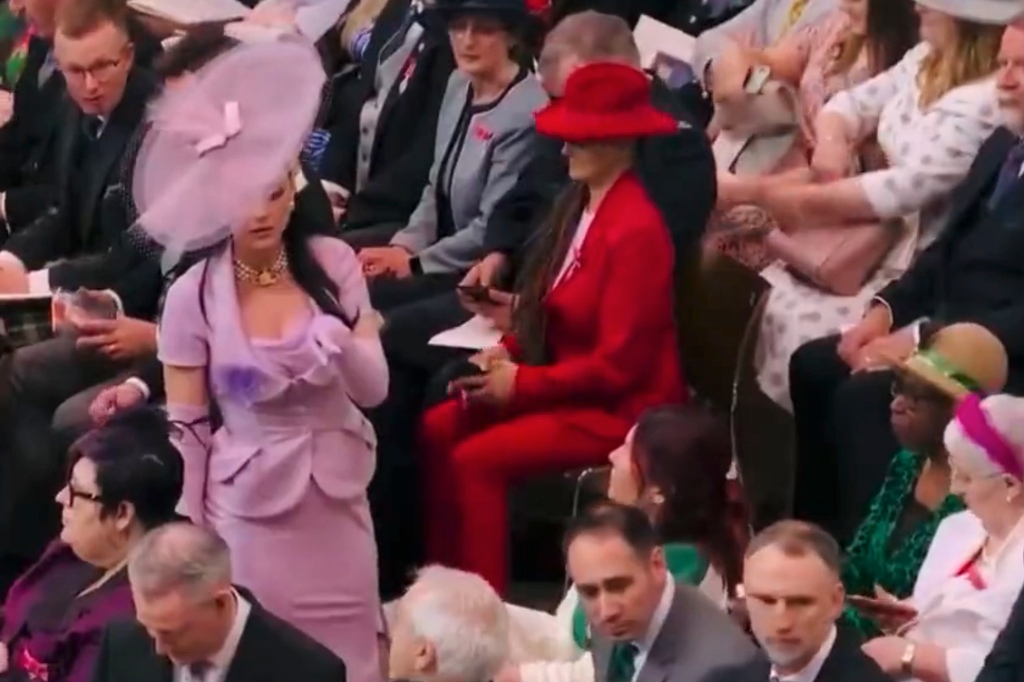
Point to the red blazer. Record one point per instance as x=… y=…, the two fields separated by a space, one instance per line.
x=611 y=324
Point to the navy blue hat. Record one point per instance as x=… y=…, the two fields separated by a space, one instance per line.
x=511 y=11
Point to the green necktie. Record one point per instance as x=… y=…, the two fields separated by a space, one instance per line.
x=622 y=662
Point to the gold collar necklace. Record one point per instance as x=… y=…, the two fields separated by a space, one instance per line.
x=262 y=277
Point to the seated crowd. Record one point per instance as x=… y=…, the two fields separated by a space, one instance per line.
x=232 y=448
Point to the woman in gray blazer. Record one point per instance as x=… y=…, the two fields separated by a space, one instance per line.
x=485 y=137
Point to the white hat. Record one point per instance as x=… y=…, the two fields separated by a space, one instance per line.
x=997 y=12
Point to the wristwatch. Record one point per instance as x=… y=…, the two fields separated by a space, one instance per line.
x=907 y=660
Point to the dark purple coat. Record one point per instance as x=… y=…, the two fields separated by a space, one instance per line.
x=67 y=653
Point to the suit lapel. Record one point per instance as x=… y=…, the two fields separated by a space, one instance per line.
x=110 y=145
x=389 y=21
x=251 y=660
x=988 y=165
x=428 y=43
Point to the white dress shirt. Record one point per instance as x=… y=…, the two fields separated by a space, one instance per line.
x=221 y=661
x=645 y=645
x=810 y=671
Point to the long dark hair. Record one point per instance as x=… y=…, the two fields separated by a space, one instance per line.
x=684 y=451
x=544 y=259
x=892 y=29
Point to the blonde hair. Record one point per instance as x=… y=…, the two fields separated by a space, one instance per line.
x=359 y=17
x=848 y=50
x=974 y=57
x=1006 y=415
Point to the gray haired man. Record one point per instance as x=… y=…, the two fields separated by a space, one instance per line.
x=450 y=625
x=195 y=626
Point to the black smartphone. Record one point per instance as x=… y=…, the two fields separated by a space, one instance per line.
x=477 y=292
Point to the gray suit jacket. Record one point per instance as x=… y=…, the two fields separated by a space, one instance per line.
x=498 y=145
x=696 y=639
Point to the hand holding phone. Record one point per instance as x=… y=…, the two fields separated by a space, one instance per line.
x=477 y=293
x=889 y=613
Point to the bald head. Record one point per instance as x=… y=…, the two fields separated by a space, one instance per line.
x=584 y=38
x=180 y=557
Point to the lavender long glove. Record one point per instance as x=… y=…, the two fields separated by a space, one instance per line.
x=193 y=439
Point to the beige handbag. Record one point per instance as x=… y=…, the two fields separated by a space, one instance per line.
x=756 y=134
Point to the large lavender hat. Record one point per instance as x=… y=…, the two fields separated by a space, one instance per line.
x=220 y=144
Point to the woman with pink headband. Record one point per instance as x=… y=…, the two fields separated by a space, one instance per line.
x=975 y=565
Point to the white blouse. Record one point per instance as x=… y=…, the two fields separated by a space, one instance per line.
x=955 y=610
x=572 y=256
x=929 y=150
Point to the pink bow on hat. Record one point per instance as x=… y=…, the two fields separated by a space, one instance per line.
x=232 y=127
x=220 y=142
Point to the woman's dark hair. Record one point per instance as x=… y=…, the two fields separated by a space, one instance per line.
x=200 y=45
x=685 y=451
x=135 y=463
x=892 y=29
x=543 y=261
x=311 y=217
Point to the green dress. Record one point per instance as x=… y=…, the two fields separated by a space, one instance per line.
x=873 y=558
x=685 y=562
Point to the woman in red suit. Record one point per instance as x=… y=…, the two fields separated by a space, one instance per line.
x=595 y=339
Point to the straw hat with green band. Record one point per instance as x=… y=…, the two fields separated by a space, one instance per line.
x=961 y=359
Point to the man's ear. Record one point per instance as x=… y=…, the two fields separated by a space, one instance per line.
x=425 y=658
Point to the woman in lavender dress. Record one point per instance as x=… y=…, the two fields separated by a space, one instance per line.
x=275 y=329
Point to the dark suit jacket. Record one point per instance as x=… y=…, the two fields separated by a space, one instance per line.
x=90 y=220
x=29 y=156
x=975 y=271
x=845 y=663
x=1005 y=663
x=403 y=146
x=270 y=650
x=678 y=172
x=696 y=639
x=691 y=16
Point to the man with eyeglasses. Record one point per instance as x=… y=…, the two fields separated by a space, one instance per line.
x=68 y=249
x=29 y=157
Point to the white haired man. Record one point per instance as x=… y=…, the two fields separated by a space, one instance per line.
x=450 y=625
x=195 y=626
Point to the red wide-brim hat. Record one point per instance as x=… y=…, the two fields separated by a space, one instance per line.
x=604 y=101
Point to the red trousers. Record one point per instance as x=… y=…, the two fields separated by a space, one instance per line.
x=474 y=455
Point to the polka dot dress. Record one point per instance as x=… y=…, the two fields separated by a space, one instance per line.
x=929 y=151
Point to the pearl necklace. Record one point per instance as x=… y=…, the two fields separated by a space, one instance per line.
x=262 y=277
